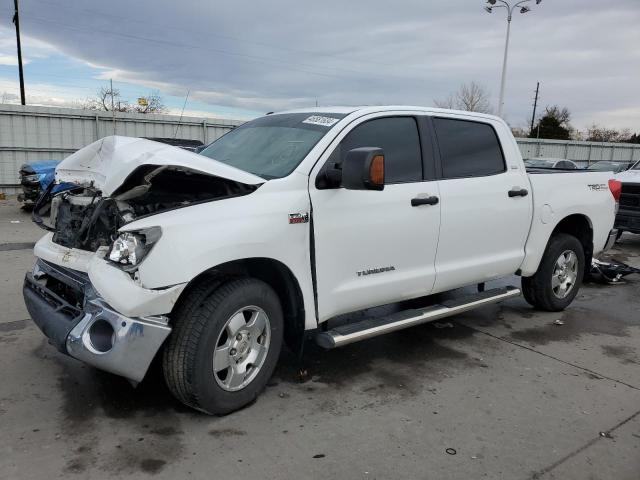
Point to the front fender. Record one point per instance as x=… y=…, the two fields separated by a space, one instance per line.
x=197 y=238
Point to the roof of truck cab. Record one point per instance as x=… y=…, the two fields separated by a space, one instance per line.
x=366 y=109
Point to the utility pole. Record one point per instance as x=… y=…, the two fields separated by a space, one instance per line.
x=113 y=111
x=16 y=21
x=535 y=105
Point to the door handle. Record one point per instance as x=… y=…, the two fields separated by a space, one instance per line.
x=415 y=202
x=518 y=192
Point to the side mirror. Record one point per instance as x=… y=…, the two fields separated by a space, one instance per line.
x=363 y=169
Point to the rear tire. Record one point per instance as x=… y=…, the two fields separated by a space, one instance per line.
x=225 y=344
x=559 y=277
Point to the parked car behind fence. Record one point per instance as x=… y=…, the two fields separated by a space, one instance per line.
x=559 y=163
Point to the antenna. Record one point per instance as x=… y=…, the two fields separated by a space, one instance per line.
x=181 y=113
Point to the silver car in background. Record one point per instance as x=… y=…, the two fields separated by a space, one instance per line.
x=543 y=162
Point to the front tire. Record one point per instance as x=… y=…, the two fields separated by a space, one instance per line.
x=559 y=277
x=225 y=344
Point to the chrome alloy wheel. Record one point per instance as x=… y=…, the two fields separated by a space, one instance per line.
x=241 y=348
x=565 y=274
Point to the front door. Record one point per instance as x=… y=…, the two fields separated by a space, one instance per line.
x=374 y=247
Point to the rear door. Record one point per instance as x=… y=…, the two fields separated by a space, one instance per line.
x=483 y=227
x=374 y=247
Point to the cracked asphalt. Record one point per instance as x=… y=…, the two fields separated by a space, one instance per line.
x=501 y=392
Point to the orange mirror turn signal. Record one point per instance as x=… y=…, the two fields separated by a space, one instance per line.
x=376 y=170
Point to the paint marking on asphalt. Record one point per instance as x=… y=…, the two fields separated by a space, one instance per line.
x=6 y=247
x=516 y=344
x=581 y=449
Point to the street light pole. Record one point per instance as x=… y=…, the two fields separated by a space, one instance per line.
x=510 y=9
x=504 y=67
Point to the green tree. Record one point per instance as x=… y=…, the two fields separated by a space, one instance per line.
x=635 y=138
x=554 y=124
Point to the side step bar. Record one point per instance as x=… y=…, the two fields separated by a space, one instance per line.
x=372 y=327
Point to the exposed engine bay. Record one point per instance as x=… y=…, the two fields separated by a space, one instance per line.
x=82 y=218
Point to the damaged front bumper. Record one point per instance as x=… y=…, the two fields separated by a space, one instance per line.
x=66 y=307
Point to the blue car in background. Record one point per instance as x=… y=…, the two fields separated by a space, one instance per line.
x=35 y=178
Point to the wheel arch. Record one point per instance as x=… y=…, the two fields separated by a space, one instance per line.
x=579 y=226
x=273 y=272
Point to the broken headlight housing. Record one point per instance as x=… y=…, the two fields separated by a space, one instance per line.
x=130 y=248
x=32 y=178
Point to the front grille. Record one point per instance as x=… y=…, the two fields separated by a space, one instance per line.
x=62 y=286
x=58 y=303
x=630 y=197
x=631 y=188
x=632 y=201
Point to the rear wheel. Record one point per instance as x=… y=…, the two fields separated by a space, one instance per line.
x=224 y=346
x=557 y=281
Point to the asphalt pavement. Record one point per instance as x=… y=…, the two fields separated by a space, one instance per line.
x=503 y=392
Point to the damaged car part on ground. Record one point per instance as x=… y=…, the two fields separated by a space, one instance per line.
x=289 y=224
x=610 y=272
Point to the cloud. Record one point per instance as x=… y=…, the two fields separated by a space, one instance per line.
x=280 y=54
x=8 y=59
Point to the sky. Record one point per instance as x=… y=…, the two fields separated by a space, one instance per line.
x=243 y=58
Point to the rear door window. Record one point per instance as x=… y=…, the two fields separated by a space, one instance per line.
x=468 y=148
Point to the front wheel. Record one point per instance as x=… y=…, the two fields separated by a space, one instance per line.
x=557 y=281
x=224 y=346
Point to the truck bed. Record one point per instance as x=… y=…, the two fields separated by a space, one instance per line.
x=558 y=194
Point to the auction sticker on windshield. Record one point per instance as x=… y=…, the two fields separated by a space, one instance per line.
x=320 y=120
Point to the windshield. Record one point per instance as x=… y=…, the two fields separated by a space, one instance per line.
x=540 y=163
x=604 y=166
x=274 y=145
x=636 y=166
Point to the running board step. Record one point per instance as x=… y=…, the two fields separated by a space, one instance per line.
x=372 y=327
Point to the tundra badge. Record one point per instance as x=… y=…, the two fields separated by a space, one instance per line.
x=371 y=271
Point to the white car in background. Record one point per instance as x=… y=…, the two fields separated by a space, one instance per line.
x=544 y=162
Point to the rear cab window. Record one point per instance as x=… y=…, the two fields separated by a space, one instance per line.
x=468 y=148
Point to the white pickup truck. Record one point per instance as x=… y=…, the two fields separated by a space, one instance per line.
x=288 y=222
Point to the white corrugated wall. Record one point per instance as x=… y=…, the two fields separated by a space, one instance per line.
x=28 y=134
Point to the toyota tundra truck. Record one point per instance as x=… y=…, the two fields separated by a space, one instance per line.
x=281 y=229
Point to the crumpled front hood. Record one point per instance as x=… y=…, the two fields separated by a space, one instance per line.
x=629 y=176
x=108 y=162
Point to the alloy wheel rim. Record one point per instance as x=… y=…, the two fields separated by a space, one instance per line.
x=565 y=274
x=241 y=348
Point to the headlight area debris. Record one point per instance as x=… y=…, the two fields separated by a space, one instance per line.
x=82 y=218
